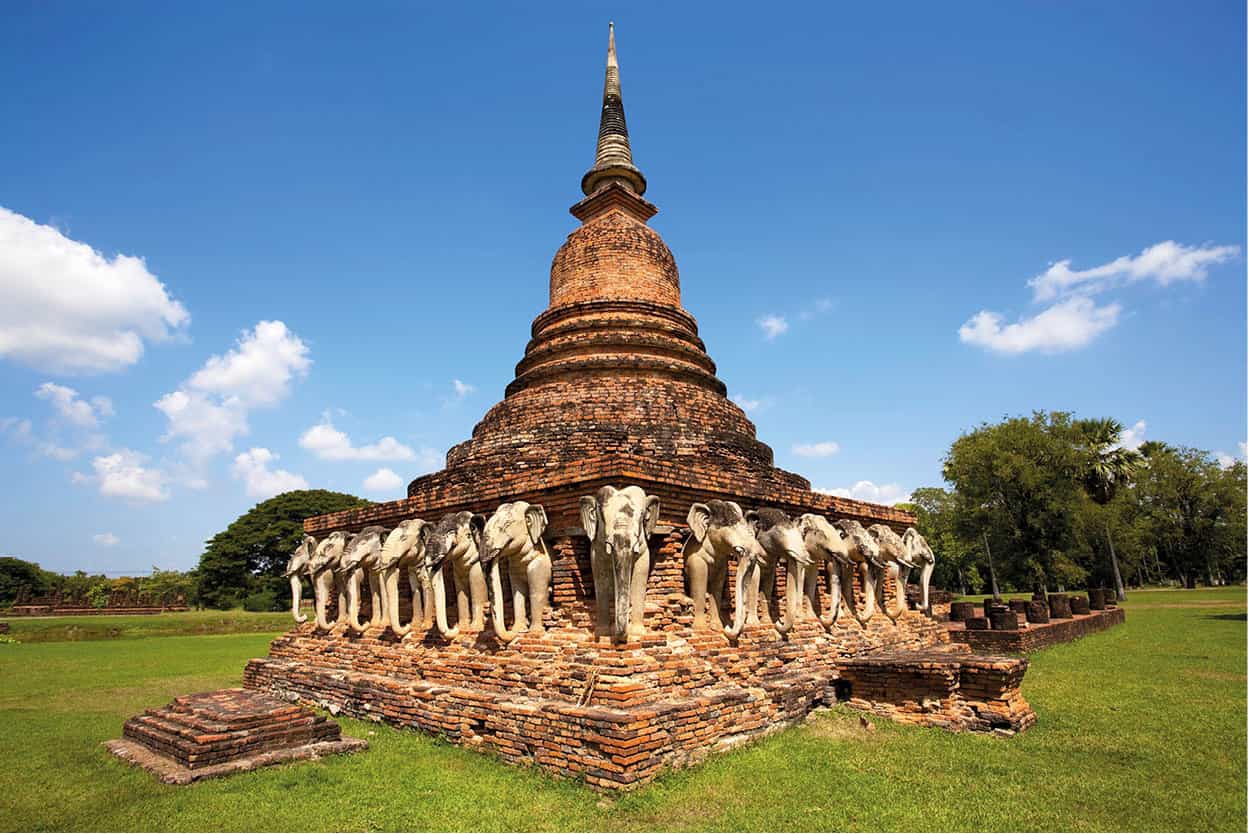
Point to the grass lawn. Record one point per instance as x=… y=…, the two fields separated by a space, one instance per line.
x=1141 y=728
x=122 y=626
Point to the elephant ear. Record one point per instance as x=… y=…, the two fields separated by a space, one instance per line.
x=423 y=529
x=699 y=519
x=806 y=523
x=751 y=518
x=535 y=520
x=589 y=515
x=650 y=516
x=476 y=527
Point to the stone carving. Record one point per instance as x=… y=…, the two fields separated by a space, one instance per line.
x=323 y=569
x=358 y=565
x=457 y=539
x=619 y=523
x=825 y=544
x=718 y=532
x=919 y=556
x=296 y=569
x=865 y=553
x=893 y=555
x=404 y=549
x=781 y=539
x=512 y=538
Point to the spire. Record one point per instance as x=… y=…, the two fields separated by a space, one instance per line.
x=614 y=161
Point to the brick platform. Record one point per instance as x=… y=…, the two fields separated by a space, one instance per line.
x=227 y=731
x=1035 y=636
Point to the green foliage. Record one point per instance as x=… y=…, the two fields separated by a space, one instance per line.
x=16 y=573
x=1141 y=729
x=956 y=559
x=250 y=554
x=133 y=626
x=265 y=600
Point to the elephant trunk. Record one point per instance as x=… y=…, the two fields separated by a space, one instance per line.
x=439 y=605
x=867 y=575
x=324 y=587
x=380 y=615
x=355 y=581
x=834 y=596
x=925 y=581
x=899 y=594
x=296 y=597
x=789 y=617
x=747 y=570
x=391 y=581
x=422 y=596
x=623 y=568
x=498 y=613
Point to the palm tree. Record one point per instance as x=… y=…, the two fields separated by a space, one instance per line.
x=1109 y=466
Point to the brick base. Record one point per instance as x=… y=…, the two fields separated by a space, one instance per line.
x=1035 y=636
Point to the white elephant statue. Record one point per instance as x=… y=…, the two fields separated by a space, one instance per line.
x=781 y=540
x=619 y=523
x=359 y=564
x=893 y=555
x=512 y=539
x=296 y=569
x=457 y=539
x=826 y=545
x=323 y=568
x=404 y=549
x=864 y=551
x=718 y=533
x=919 y=556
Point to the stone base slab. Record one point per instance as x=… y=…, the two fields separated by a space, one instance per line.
x=171 y=772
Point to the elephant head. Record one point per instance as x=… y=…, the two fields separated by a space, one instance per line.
x=781 y=539
x=322 y=567
x=864 y=550
x=825 y=543
x=719 y=532
x=512 y=538
x=619 y=523
x=920 y=556
x=296 y=567
x=894 y=557
x=403 y=548
x=456 y=539
x=359 y=562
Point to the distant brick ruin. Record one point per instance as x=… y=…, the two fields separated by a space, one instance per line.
x=61 y=604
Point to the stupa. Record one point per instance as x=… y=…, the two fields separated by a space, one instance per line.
x=616 y=388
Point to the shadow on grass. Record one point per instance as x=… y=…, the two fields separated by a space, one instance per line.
x=1234 y=618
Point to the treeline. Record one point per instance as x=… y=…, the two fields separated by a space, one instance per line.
x=1050 y=501
x=163 y=586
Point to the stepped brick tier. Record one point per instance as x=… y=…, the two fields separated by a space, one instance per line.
x=1034 y=636
x=227 y=731
x=616 y=388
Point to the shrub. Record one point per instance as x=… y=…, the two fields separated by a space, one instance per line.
x=261 y=601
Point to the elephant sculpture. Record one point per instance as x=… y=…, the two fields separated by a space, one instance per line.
x=323 y=568
x=718 y=532
x=781 y=539
x=512 y=539
x=826 y=545
x=619 y=523
x=919 y=556
x=893 y=555
x=357 y=566
x=864 y=551
x=404 y=549
x=457 y=539
x=296 y=569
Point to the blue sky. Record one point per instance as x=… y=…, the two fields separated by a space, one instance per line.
x=249 y=247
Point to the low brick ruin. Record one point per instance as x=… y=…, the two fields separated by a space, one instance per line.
x=227 y=731
x=1037 y=626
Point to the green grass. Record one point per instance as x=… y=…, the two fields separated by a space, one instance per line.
x=1141 y=728
x=123 y=626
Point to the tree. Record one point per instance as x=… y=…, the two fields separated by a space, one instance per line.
x=935 y=509
x=16 y=573
x=1107 y=467
x=1017 y=484
x=250 y=554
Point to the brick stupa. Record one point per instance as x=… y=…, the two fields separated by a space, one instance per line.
x=616 y=388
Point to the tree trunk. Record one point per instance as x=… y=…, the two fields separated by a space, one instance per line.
x=1113 y=560
x=992 y=573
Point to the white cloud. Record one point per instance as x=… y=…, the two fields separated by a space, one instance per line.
x=51 y=450
x=64 y=307
x=462 y=389
x=746 y=403
x=74 y=409
x=124 y=474
x=1226 y=461
x=1133 y=438
x=773 y=326
x=252 y=468
x=17 y=429
x=869 y=491
x=1067 y=325
x=210 y=409
x=1165 y=263
x=382 y=481
x=823 y=449
x=328 y=443
x=106 y=539
x=821 y=306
